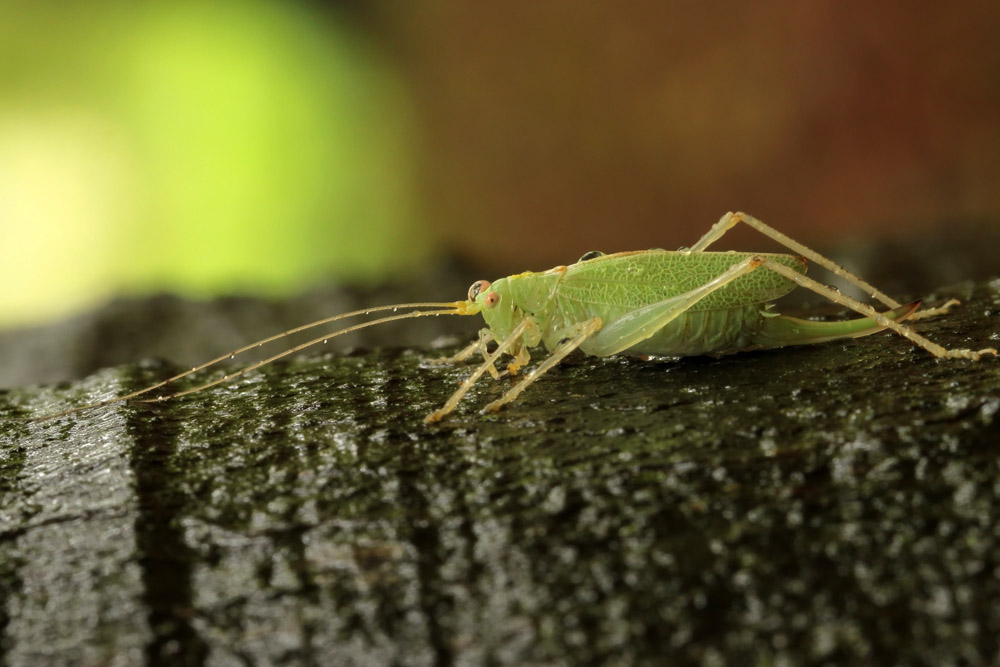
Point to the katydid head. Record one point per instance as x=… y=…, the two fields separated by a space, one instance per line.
x=496 y=303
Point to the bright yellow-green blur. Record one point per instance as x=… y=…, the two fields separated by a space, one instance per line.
x=201 y=148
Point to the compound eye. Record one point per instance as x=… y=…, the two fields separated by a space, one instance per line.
x=491 y=299
x=478 y=288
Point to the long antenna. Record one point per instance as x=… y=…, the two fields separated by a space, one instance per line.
x=302 y=346
x=446 y=308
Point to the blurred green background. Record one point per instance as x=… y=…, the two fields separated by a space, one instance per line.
x=268 y=147
x=201 y=148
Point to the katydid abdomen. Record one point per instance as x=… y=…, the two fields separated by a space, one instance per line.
x=703 y=332
x=753 y=327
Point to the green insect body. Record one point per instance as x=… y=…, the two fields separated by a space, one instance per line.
x=654 y=302
x=620 y=286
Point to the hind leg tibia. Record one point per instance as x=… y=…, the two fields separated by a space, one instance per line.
x=730 y=220
x=859 y=307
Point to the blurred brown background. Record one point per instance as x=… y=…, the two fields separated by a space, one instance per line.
x=266 y=148
x=550 y=129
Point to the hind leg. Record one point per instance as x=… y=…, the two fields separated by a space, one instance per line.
x=866 y=310
x=730 y=220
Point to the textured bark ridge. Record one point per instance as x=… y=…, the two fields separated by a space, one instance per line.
x=828 y=503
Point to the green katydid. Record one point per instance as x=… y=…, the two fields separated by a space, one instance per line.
x=655 y=302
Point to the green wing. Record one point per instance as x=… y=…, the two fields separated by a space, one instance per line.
x=626 y=281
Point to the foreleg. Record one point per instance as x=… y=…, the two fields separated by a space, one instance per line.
x=488 y=364
x=460 y=356
x=579 y=334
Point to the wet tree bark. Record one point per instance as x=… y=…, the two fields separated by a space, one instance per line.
x=832 y=503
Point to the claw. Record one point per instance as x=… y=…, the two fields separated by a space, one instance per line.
x=974 y=355
x=935 y=312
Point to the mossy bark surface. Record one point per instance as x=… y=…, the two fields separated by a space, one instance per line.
x=837 y=503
